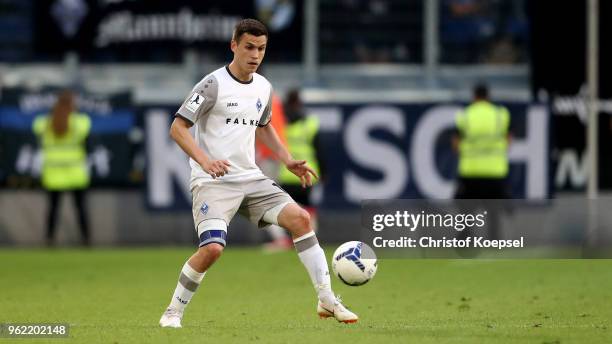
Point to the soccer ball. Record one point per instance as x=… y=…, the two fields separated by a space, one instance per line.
x=354 y=263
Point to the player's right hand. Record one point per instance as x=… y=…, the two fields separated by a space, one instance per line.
x=216 y=168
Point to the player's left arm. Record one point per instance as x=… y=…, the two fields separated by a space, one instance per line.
x=267 y=135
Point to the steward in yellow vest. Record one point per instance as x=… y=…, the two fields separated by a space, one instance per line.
x=62 y=135
x=63 y=148
x=482 y=143
x=301 y=133
x=300 y=142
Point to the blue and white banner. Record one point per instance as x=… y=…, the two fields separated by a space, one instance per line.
x=373 y=151
x=159 y=30
x=112 y=144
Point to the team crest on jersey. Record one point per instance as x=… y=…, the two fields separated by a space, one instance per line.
x=194 y=102
x=204 y=208
x=258 y=105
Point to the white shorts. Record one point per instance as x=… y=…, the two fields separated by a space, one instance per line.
x=221 y=200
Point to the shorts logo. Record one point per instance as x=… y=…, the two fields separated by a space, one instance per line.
x=204 y=209
x=258 y=104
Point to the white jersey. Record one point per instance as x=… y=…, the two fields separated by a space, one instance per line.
x=225 y=112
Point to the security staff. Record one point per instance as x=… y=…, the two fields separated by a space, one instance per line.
x=302 y=133
x=482 y=142
x=270 y=165
x=62 y=135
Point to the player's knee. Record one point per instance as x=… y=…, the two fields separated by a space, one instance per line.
x=212 y=251
x=213 y=235
x=301 y=220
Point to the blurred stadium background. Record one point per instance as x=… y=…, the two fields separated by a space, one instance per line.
x=385 y=78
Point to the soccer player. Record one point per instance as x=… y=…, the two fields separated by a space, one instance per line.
x=229 y=108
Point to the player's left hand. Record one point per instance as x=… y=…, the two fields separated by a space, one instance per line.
x=300 y=169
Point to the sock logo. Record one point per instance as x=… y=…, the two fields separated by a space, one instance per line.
x=182 y=301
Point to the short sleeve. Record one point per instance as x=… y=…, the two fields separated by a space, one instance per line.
x=200 y=100
x=266 y=115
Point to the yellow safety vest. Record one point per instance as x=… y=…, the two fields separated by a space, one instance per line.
x=64 y=158
x=483 y=146
x=300 y=142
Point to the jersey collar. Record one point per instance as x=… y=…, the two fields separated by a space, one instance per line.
x=235 y=78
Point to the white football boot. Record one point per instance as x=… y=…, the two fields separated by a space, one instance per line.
x=171 y=318
x=338 y=311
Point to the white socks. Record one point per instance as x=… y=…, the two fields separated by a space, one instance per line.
x=188 y=283
x=309 y=252
x=313 y=258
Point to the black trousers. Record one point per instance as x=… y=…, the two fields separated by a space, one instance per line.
x=79 y=197
x=298 y=193
x=480 y=190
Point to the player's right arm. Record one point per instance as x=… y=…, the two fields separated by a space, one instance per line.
x=179 y=131
x=200 y=101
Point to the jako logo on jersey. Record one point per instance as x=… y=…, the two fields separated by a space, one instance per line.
x=253 y=122
x=258 y=105
x=204 y=208
x=232 y=104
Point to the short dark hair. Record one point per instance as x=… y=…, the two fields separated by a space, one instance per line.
x=250 y=26
x=481 y=91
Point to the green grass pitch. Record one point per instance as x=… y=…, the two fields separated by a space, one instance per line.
x=118 y=295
